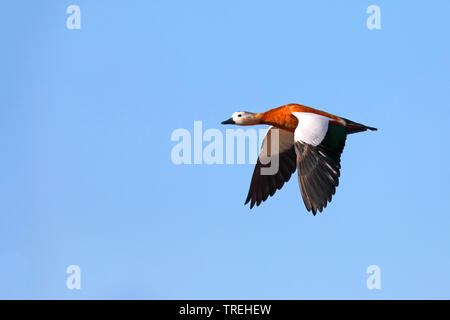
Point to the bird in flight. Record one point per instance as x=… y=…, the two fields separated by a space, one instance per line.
x=301 y=138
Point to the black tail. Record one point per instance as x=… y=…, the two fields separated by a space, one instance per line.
x=354 y=127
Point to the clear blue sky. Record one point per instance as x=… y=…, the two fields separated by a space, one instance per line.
x=86 y=176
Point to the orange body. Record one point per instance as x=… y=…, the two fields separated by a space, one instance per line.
x=283 y=118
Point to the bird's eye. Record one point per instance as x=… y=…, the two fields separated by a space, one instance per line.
x=239 y=115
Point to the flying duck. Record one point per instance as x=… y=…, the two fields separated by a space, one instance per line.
x=310 y=141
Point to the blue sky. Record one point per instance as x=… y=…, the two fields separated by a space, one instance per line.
x=87 y=179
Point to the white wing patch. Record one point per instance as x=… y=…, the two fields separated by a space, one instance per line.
x=275 y=142
x=311 y=128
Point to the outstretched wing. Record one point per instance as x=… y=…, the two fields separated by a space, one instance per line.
x=275 y=165
x=318 y=145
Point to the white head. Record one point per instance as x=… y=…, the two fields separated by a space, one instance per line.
x=243 y=118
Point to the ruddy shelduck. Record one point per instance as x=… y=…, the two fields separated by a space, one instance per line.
x=310 y=141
